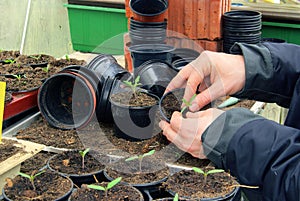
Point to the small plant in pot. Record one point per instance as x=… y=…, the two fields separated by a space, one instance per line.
x=43 y=185
x=133 y=111
x=143 y=171
x=107 y=191
x=207 y=183
x=80 y=165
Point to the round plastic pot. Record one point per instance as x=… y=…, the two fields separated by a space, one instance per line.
x=148 y=11
x=171 y=102
x=142 y=186
x=234 y=195
x=138 y=24
x=76 y=178
x=62 y=198
x=105 y=66
x=183 y=53
x=239 y=15
x=155 y=76
x=180 y=63
x=134 y=123
x=60 y=100
x=142 y=53
x=273 y=40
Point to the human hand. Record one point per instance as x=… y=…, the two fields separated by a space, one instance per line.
x=213 y=74
x=186 y=133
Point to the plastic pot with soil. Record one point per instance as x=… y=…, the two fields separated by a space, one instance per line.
x=206 y=186
x=155 y=76
x=82 y=169
x=106 y=191
x=133 y=111
x=45 y=186
x=144 y=171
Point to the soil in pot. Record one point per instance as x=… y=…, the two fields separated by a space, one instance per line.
x=70 y=163
x=151 y=173
x=49 y=186
x=190 y=184
x=37 y=162
x=37 y=60
x=134 y=114
x=9 y=54
x=117 y=193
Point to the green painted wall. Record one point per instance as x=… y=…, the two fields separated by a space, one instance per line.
x=48 y=27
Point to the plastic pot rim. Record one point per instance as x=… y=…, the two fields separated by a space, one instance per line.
x=164 y=2
x=156 y=48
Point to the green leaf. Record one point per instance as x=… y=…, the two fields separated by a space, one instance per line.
x=39 y=173
x=149 y=153
x=215 y=171
x=24 y=175
x=137 y=80
x=113 y=183
x=83 y=153
x=96 y=187
x=185 y=102
x=198 y=170
x=132 y=158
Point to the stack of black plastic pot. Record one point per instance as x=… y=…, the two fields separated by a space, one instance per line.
x=241 y=26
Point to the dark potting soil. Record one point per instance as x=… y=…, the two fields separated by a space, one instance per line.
x=152 y=170
x=9 y=148
x=32 y=70
x=70 y=162
x=10 y=54
x=139 y=99
x=49 y=187
x=117 y=193
x=37 y=162
x=188 y=183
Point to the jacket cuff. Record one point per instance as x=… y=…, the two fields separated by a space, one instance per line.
x=217 y=136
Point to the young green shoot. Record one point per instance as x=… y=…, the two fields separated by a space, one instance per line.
x=205 y=174
x=106 y=188
x=187 y=103
x=19 y=77
x=31 y=177
x=9 y=61
x=140 y=158
x=46 y=69
x=82 y=154
x=67 y=57
x=133 y=85
x=35 y=57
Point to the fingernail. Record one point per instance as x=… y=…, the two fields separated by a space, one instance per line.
x=194 y=107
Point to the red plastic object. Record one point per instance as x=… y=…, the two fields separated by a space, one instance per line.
x=21 y=102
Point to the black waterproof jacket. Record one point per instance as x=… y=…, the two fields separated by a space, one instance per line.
x=257 y=151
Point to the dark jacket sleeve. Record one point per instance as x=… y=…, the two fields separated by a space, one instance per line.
x=272 y=70
x=257 y=151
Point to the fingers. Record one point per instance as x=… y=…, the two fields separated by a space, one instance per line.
x=179 y=81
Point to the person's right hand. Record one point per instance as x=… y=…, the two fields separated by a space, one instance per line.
x=213 y=74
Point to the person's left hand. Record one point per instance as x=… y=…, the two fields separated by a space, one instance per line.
x=186 y=133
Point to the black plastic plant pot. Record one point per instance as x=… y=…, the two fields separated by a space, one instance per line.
x=184 y=53
x=180 y=63
x=242 y=16
x=142 y=53
x=171 y=102
x=78 y=179
x=273 y=40
x=133 y=123
x=155 y=76
x=148 y=8
x=61 y=102
x=134 y=24
x=106 y=66
x=24 y=187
